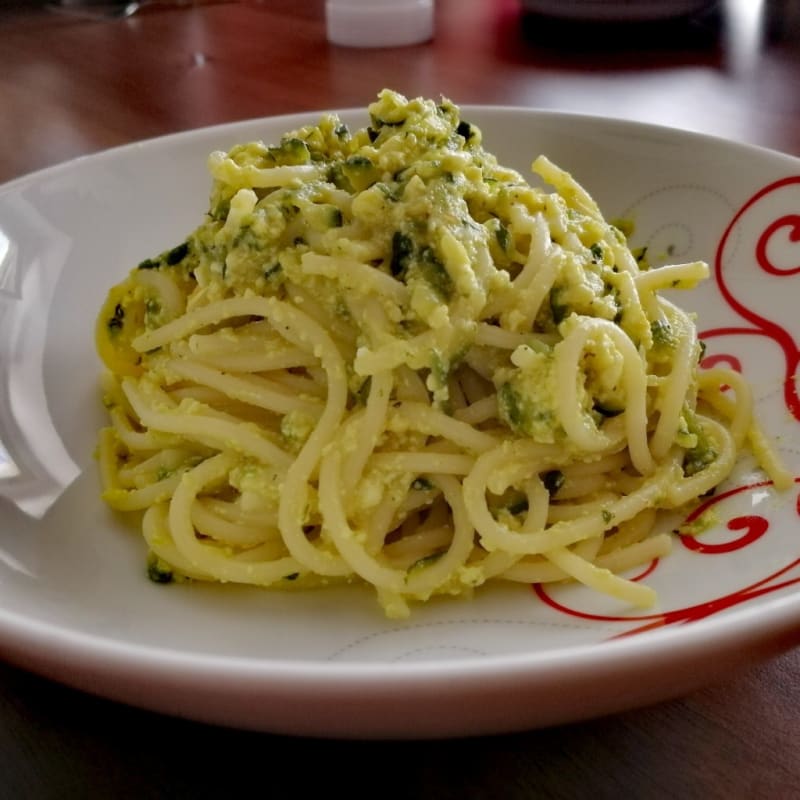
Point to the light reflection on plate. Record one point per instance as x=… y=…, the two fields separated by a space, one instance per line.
x=75 y=603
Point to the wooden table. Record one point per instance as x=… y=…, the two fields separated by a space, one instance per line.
x=70 y=86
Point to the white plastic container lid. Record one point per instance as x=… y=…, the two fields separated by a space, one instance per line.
x=379 y=23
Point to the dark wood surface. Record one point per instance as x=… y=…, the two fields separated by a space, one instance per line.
x=71 y=86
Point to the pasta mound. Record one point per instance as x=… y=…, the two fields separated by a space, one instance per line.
x=385 y=357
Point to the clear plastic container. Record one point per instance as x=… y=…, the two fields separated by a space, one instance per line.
x=379 y=23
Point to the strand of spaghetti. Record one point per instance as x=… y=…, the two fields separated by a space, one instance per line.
x=539 y=250
x=494 y=564
x=206 y=429
x=170 y=298
x=202 y=394
x=538 y=504
x=581 y=486
x=483 y=361
x=107 y=448
x=300 y=329
x=412 y=503
x=497 y=336
x=238 y=534
x=520 y=224
x=671 y=400
x=166 y=460
x=768 y=458
x=271 y=550
x=112 y=392
x=155 y=529
x=253 y=390
x=739 y=412
x=636 y=554
x=516 y=460
x=482 y=262
x=498 y=469
x=337 y=526
x=624 y=482
x=496 y=535
x=414 y=352
x=604 y=465
x=630 y=532
x=409 y=550
x=208 y=558
x=138 y=441
x=531 y=298
x=438 y=516
x=371 y=569
x=505 y=564
x=339 y=329
x=409 y=385
x=371 y=424
x=478 y=412
x=354 y=275
x=419 y=463
x=558 y=512
x=431 y=421
x=638 y=310
x=380 y=520
x=576 y=196
x=348 y=241
x=458 y=266
x=226 y=170
x=426 y=580
x=373 y=322
x=256 y=335
x=395 y=510
x=684 y=489
x=247 y=360
x=623 y=258
x=537 y=569
x=314 y=384
x=250 y=348
x=601 y=580
x=232 y=511
x=270 y=308
x=137 y=499
x=575 y=421
x=521 y=219
x=672 y=276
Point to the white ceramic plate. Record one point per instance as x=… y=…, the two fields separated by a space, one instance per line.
x=75 y=604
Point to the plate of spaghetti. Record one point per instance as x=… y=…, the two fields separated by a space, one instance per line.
x=408 y=421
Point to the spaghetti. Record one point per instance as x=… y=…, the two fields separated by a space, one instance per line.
x=385 y=357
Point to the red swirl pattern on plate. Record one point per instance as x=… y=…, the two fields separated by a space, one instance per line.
x=782 y=228
x=721 y=358
x=790 y=221
x=756 y=526
x=762 y=326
